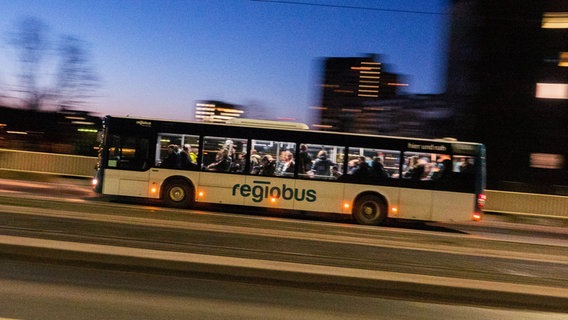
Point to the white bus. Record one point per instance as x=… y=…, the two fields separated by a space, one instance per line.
x=285 y=166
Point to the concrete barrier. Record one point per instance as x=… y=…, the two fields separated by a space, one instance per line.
x=47 y=163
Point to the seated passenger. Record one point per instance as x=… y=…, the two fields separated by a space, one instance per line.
x=254 y=162
x=192 y=155
x=361 y=170
x=445 y=171
x=322 y=164
x=420 y=170
x=185 y=159
x=172 y=159
x=222 y=162
x=409 y=166
x=467 y=166
x=288 y=165
x=378 y=169
x=267 y=166
x=238 y=165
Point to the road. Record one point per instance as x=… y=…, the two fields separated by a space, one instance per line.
x=224 y=265
x=41 y=291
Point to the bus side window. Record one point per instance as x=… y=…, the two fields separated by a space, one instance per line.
x=464 y=164
x=444 y=171
x=272 y=158
x=370 y=165
x=320 y=162
x=420 y=166
x=463 y=173
x=177 y=151
x=129 y=153
x=223 y=154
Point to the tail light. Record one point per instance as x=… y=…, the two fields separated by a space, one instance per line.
x=477 y=215
x=481 y=200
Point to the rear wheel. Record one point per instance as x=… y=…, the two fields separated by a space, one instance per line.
x=370 y=210
x=178 y=194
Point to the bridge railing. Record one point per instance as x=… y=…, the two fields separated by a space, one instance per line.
x=529 y=204
x=517 y=203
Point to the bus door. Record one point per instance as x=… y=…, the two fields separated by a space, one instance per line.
x=126 y=171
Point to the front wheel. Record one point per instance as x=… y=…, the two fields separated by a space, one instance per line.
x=178 y=194
x=370 y=210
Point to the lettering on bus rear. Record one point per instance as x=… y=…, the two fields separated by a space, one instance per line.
x=428 y=146
x=261 y=190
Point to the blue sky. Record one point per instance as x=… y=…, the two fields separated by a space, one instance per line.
x=157 y=58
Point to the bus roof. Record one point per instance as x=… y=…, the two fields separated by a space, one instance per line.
x=271 y=124
x=297 y=126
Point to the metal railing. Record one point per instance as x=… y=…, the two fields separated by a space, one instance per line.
x=518 y=203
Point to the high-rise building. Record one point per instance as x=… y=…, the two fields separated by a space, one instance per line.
x=217 y=111
x=508 y=82
x=347 y=85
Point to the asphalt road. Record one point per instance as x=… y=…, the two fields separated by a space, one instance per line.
x=272 y=267
x=58 y=292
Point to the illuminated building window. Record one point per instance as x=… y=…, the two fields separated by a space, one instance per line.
x=546 y=161
x=555 y=20
x=563 y=59
x=552 y=90
x=211 y=112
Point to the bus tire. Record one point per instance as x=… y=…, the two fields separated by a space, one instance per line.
x=370 y=210
x=178 y=194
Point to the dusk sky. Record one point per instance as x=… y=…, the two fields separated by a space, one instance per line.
x=157 y=58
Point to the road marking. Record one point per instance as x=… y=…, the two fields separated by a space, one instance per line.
x=281 y=267
x=298 y=235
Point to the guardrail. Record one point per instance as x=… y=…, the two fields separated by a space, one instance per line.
x=516 y=203
x=47 y=163
x=527 y=204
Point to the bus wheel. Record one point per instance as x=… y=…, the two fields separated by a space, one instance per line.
x=178 y=194
x=370 y=210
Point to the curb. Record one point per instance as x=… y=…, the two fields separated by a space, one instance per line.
x=547 y=221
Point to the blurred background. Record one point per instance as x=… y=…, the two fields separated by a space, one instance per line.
x=494 y=72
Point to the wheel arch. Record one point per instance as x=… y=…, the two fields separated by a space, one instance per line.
x=377 y=194
x=179 y=178
x=370 y=208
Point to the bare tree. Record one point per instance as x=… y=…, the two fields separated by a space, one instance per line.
x=31 y=43
x=74 y=78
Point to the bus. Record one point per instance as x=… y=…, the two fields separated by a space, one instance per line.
x=283 y=165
